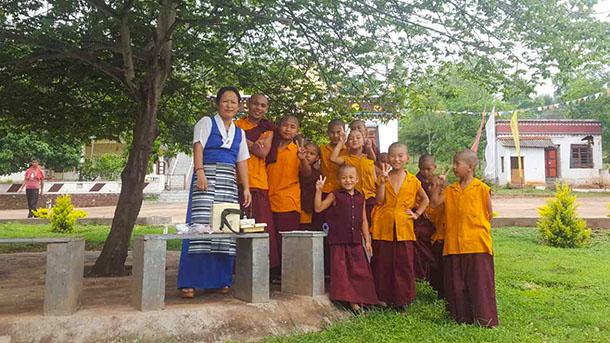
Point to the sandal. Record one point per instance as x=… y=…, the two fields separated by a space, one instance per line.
x=224 y=290
x=188 y=293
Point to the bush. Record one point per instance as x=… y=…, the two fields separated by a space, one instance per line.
x=558 y=224
x=63 y=217
x=106 y=166
x=41 y=213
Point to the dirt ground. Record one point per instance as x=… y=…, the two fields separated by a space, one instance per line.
x=505 y=206
x=106 y=314
x=22 y=280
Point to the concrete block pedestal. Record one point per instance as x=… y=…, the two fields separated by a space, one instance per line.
x=148 y=274
x=64 y=277
x=303 y=262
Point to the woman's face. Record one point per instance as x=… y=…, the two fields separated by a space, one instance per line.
x=228 y=105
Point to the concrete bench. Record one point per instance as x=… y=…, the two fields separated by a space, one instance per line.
x=251 y=282
x=64 y=273
x=303 y=262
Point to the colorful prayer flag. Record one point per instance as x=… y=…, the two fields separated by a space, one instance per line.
x=514 y=127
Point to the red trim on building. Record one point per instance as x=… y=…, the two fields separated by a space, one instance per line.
x=545 y=127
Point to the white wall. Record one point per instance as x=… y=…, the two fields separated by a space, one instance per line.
x=533 y=164
x=156 y=184
x=388 y=132
x=578 y=175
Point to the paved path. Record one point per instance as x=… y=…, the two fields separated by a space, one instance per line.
x=505 y=206
x=528 y=206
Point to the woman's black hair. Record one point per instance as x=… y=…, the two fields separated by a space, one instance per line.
x=223 y=90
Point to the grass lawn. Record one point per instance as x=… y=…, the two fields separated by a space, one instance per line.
x=95 y=236
x=544 y=294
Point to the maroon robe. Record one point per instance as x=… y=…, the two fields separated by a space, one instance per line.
x=392 y=265
x=470 y=288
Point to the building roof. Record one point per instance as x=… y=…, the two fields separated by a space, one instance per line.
x=528 y=142
x=551 y=127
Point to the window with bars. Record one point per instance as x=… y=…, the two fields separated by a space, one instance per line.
x=582 y=156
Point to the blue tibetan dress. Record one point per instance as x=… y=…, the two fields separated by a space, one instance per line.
x=208 y=263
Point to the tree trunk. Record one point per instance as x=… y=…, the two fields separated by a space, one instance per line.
x=112 y=258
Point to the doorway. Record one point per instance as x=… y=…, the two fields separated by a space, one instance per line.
x=515 y=178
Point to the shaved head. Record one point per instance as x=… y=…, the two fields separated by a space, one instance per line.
x=398 y=145
x=257 y=95
x=289 y=118
x=468 y=156
x=426 y=159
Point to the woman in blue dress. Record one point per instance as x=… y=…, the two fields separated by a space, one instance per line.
x=220 y=156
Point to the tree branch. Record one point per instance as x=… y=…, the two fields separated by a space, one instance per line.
x=70 y=52
x=104 y=8
x=126 y=51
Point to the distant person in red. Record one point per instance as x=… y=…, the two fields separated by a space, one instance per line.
x=33 y=183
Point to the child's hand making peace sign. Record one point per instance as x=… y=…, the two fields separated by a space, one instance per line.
x=320 y=183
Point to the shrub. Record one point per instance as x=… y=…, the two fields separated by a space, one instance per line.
x=558 y=224
x=41 y=213
x=63 y=217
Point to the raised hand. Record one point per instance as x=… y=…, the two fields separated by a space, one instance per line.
x=343 y=137
x=320 y=183
x=385 y=172
x=368 y=143
x=301 y=152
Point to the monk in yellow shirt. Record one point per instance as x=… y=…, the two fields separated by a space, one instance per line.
x=365 y=167
x=328 y=169
x=286 y=162
x=259 y=135
x=392 y=229
x=468 y=267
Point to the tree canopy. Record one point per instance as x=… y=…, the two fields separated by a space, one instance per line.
x=110 y=67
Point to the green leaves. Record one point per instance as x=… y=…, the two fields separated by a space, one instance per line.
x=559 y=225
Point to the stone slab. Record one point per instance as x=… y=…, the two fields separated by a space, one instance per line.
x=251 y=281
x=303 y=262
x=64 y=277
x=148 y=274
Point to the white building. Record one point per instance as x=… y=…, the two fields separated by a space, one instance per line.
x=383 y=131
x=566 y=149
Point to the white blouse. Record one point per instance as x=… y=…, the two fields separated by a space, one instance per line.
x=203 y=128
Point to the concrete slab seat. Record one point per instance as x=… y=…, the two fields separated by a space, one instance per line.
x=303 y=262
x=251 y=282
x=64 y=273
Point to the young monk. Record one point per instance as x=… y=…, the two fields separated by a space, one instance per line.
x=370 y=148
x=427 y=254
x=351 y=279
x=310 y=220
x=285 y=164
x=393 y=235
x=364 y=166
x=259 y=134
x=328 y=169
x=381 y=159
x=468 y=267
